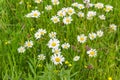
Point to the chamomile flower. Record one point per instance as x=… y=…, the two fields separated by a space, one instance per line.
x=92 y=52
x=70 y=11
x=91 y=14
x=42 y=31
x=55 y=19
x=35 y=14
x=37 y=35
x=86 y=1
x=113 y=27
x=52 y=35
x=29 y=44
x=65 y=45
x=80 y=6
x=41 y=57
x=38 y=1
x=56 y=51
x=67 y=20
x=99 y=5
x=53 y=43
x=55 y=2
x=82 y=38
x=75 y=4
x=61 y=13
x=92 y=36
x=102 y=17
x=48 y=7
x=80 y=14
x=100 y=33
x=57 y=59
x=76 y=58
x=21 y=49
x=108 y=8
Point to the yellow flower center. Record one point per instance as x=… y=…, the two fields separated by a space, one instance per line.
x=35 y=14
x=70 y=11
x=57 y=59
x=82 y=38
x=28 y=44
x=53 y=44
x=68 y=20
x=92 y=53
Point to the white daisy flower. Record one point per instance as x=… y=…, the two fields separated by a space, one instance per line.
x=113 y=27
x=108 y=8
x=55 y=2
x=53 y=43
x=55 y=19
x=52 y=35
x=86 y=1
x=99 y=5
x=57 y=59
x=21 y=49
x=37 y=35
x=48 y=7
x=76 y=58
x=100 y=33
x=61 y=13
x=38 y=1
x=91 y=14
x=102 y=17
x=65 y=45
x=67 y=20
x=75 y=4
x=92 y=36
x=42 y=31
x=29 y=44
x=81 y=6
x=56 y=51
x=92 y=52
x=82 y=38
x=35 y=14
x=70 y=11
x=41 y=57
x=80 y=14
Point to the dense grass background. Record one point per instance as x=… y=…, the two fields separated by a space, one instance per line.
x=15 y=29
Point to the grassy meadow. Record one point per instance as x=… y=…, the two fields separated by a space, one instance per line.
x=16 y=29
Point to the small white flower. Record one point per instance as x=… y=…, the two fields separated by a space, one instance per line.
x=92 y=36
x=80 y=14
x=86 y=1
x=70 y=11
x=65 y=45
x=21 y=49
x=42 y=31
x=67 y=20
x=57 y=59
x=91 y=14
x=92 y=52
x=102 y=17
x=56 y=51
x=55 y=2
x=108 y=8
x=113 y=27
x=55 y=19
x=75 y=4
x=48 y=7
x=99 y=5
x=100 y=33
x=76 y=58
x=38 y=1
x=52 y=35
x=41 y=57
x=80 y=6
x=37 y=35
x=61 y=13
x=29 y=44
x=53 y=43
x=35 y=14
x=82 y=38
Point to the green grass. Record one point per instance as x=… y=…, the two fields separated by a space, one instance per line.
x=16 y=29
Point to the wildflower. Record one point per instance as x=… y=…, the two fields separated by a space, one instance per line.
x=102 y=17
x=57 y=59
x=21 y=49
x=80 y=6
x=35 y=14
x=91 y=14
x=100 y=33
x=113 y=27
x=55 y=2
x=75 y=4
x=38 y=1
x=53 y=43
x=92 y=52
x=108 y=8
x=99 y=5
x=80 y=14
x=67 y=20
x=65 y=45
x=76 y=58
x=61 y=13
x=48 y=7
x=55 y=19
x=29 y=44
x=70 y=11
x=92 y=36
x=41 y=57
x=86 y=1
x=52 y=35
x=82 y=38
x=56 y=51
